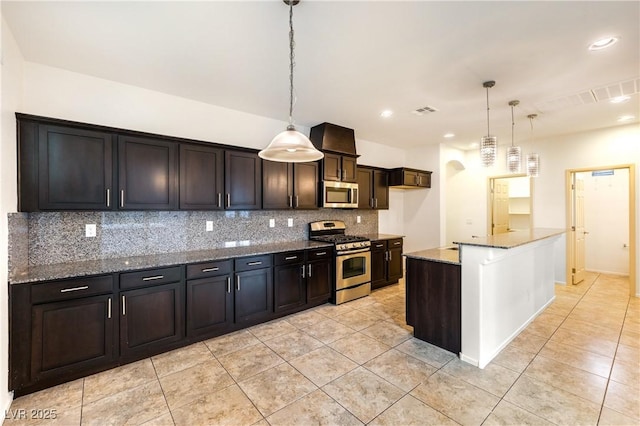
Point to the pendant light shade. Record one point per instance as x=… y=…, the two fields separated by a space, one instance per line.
x=533 y=159
x=514 y=156
x=488 y=144
x=291 y=146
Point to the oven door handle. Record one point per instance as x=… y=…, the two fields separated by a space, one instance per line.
x=343 y=253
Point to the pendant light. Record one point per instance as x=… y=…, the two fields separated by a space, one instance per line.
x=513 y=152
x=488 y=144
x=291 y=146
x=533 y=159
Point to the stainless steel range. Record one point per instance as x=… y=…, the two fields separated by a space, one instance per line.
x=352 y=260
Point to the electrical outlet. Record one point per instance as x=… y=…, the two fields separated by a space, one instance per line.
x=90 y=230
x=290 y=222
x=358 y=219
x=272 y=223
x=209 y=225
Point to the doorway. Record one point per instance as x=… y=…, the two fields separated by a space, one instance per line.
x=510 y=204
x=595 y=239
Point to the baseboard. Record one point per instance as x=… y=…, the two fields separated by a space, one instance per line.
x=7 y=406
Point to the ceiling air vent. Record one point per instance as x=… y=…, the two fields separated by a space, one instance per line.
x=627 y=87
x=622 y=88
x=424 y=110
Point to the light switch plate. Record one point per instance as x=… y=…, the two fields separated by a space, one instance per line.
x=290 y=222
x=90 y=230
x=272 y=223
x=209 y=225
x=358 y=219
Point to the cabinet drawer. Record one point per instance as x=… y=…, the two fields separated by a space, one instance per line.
x=289 y=257
x=253 y=262
x=395 y=243
x=379 y=245
x=71 y=289
x=150 y=277
x=209 y=269
x=323 y=253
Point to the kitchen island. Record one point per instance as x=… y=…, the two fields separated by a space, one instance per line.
x=480 y=297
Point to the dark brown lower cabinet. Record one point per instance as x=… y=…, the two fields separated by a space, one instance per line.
x=253 y=295
x=290 y=290
x=151 y=318
x=386 y=262
x=71 y=335
x=319 y=278
x=209 y=306
x=433 y=302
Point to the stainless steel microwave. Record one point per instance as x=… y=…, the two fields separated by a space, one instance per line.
x=339 y=195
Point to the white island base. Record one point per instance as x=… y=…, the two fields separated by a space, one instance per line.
x=506 y=281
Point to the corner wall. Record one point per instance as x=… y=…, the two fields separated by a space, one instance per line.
x=11 y=91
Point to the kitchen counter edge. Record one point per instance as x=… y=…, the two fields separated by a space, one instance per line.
x=440 y=255
x=41 y=273
x=514 y=239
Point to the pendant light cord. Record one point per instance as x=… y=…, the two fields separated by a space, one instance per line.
x=513 y=124
x=291 y=62
x=488 y=131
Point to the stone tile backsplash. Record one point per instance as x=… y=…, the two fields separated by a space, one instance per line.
x=59 y=237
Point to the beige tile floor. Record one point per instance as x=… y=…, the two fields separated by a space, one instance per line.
x=357 y=363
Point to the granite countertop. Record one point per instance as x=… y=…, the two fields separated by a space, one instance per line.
x=441 y=255
x=509 y=240
x=105 y=266
x=375 y=237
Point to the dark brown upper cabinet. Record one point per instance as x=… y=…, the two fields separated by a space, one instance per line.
x=243 y=180
x=373 y=188
x=64 y=168
x=289 y=185
x=406 y=178
x=201 y=177
x=147 y=174
x=338 y=167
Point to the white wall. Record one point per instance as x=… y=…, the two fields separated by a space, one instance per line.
x=606 y=218
x=11 y=94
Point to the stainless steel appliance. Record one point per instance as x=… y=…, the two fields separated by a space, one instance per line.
x=352 y=260
x=339 y=195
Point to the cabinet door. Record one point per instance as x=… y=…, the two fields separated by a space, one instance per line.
x=243 y=180
x=349 y=169
x=378 y=264
x=209 y=306
x=305 y=181
x=365 y=198
x=331 y=167
x=201 y=177
x=424 y=180
x=380 y=189
x=75 y=169
x=319 y=281
x=253 y=295
x=72 y=335
x=277 y=185
x=410 y=178
x=150 y=318
x=289 y=286
x=394 y=268
x=147 y=174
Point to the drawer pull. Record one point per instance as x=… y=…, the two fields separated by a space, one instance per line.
x=109 y=308
x=155 y=277
x=379 y=245
x=124 y=306
x=254 y=263
x=215 y=268
x=66 y=290
x=290 y=257
x=322 y=253
x=397 y=243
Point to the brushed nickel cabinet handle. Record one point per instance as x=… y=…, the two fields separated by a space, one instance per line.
x=109 y=308
x=219 y=199
x=122 y=198
x=228 y=200
x=309 y=271
x=290 y=257
x=390 y=256
x=322 y=253
x=155 y=277
x=228 y=284
x=303 y=271
x=108 y=197
x=397 y=243
x=215 y=268
x=376 y=203
x=371 y=203
x=67 y=290
x=254 y=263
x=291 y=201
x=238 y=283
x=124 y=306
x=297 y=203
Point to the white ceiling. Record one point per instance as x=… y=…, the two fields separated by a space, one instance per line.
x=354 y=59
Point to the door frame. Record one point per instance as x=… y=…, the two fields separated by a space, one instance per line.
x=490 y=180
x=632 y=218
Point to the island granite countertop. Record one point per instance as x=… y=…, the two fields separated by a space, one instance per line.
x=513 y=239
x=56 y=271
x=440 y=254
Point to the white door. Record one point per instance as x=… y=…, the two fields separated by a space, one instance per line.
x=500 y=210
x=577 y=229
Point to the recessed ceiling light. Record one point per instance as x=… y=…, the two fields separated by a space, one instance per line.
x=449 y=135
x=619 y=99
x=603 y=43
x=626 y=118
x=386 y=113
